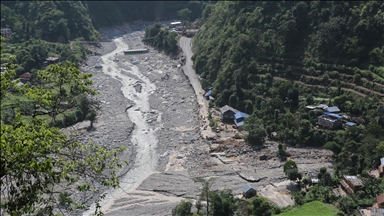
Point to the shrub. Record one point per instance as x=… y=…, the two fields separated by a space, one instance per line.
x=237 y=136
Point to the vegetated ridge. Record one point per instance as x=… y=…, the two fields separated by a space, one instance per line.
x=272 y=59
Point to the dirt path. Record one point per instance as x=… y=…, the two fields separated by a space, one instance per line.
x=185 y=44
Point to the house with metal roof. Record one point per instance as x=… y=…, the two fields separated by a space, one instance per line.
x=351 y=184
x=208 y=95
x=239 y=118
x=51 y=60
x=249 y=191
x=228 y=113
x=329 y=120
x=350 y=124
x=25 y=77
x=322 y=106
x=333 y=109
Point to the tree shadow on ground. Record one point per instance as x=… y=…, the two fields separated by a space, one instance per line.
x=293 y=187
x=91 y=129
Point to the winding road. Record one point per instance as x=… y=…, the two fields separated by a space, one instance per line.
x=186 y=46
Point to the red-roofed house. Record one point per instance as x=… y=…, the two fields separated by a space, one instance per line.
x=25 y=77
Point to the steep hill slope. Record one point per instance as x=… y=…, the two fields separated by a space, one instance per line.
x=110 y=13
x=298 y=40
x=272 y=59
x=54 y=21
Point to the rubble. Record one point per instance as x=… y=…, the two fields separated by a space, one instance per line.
x=174 y=119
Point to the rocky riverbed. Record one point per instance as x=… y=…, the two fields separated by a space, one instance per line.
x=161 y=131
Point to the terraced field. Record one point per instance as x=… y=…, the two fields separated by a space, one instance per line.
x=364 y=87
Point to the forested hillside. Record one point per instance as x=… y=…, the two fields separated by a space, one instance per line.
x=271 y=59
x=54 y=28
x=242 y=40
x=45 y=28
x=54 y=21
x=107 y=13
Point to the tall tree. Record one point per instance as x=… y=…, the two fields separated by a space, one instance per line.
x=205 y=192
x=39 y=167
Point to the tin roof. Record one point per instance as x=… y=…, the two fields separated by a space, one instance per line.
x=333 y=109
x=354 y=180
x=240 y=115
x=52 y=58
x=238 y=124
x=26 y=75
x=247 y=187
x=346 y=187
x=226 y=108
x=351 y=124
x=321 y=106
x=333 y=115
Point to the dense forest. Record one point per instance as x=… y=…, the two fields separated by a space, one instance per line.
x=107 y=13
x=45 y=28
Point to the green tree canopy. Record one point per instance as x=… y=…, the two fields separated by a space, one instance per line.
x=183 y=209
x=40 y=169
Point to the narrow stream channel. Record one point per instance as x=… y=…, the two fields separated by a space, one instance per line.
x=142 y=136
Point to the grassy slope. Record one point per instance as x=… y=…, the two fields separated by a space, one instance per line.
x=313 y=208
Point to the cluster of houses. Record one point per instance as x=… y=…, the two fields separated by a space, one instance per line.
x=352 y=184
x=331 y=118
x=349 y=183
x=228 y=114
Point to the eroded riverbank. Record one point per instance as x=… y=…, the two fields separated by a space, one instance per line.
x=168 y=122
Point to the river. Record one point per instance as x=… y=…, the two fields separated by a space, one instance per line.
x=142 y=136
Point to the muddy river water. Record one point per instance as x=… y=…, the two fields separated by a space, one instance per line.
x=143 y=137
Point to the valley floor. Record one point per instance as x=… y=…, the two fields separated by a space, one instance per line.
x=162 y=132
